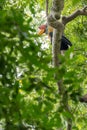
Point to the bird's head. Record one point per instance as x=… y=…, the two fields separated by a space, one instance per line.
x=42 y=29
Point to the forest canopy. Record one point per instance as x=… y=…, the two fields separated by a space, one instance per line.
x=30 y=97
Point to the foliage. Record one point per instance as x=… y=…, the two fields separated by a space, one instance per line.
x=29 y=97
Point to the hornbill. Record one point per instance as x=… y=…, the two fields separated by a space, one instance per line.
x=65 y=43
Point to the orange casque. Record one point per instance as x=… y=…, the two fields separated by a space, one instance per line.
x=43 y=29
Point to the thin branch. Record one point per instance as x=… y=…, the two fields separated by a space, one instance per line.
x=47 y=6
x=77 y=13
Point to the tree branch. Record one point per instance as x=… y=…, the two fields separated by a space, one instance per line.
x=47 y=5
x=77 y=13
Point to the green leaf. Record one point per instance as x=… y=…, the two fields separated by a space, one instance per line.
x=74 y=2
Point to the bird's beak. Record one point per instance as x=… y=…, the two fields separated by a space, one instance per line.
x=41 y=31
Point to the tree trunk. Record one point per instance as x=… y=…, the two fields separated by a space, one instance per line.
x=53 y=20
